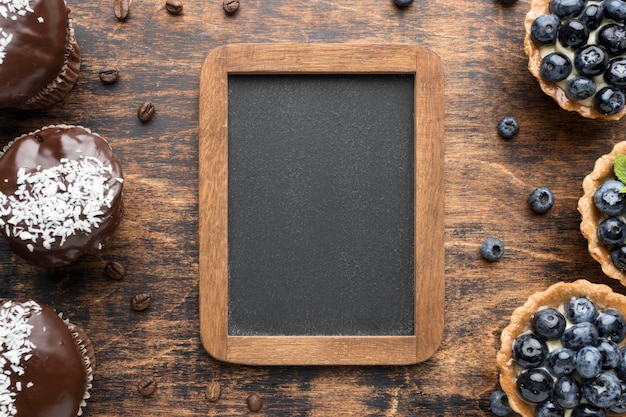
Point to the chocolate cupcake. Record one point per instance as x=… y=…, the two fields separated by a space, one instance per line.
x=47 y=362
x=39 y=55
x=60 y=194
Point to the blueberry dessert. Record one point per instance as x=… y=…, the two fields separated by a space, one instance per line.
x=577 y=52
x=603 y=212
x=563 y=353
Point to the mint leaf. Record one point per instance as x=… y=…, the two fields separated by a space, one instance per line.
x=619 y=167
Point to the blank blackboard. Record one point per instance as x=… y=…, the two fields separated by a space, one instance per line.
x=321 y=204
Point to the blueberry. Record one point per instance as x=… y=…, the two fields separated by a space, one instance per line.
x=618 y=257
x=561 y=362
x=591 y=60
x=587 y=410
x=592 y=16
x=611 y=325
x=588 y=362
x=541 y=200
x=499 y=403
x=567 y=392
x=544 y=28
x=620 y=406
x=615 y=74
x=613 y=38
x=555 y=67
x=566 y=8
x=535 y=385
x=602 y=391
x=612 y=232
x=402 y=3
x=581 y=309
x=610 y=100
x=614 y=10
x=579 y=335
x=580 y=88
x=608 y=198
x=620 y=369
x=529 y=350
x=573 y=34
x=611 y=353
x=508 y=127
x=492 y=249
x=549 y=409
x=548 y=324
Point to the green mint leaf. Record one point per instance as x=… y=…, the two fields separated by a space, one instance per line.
x=619 y=168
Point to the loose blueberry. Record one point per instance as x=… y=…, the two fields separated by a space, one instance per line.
x=561 y=362
x=580 y=88
x=555 y=67
x=566 y=8
x=529 y=350
x=591 y=60
x=614 y=10
x=610 y=352
x=548 y=324
x=592 y=16
x=581 y=309
x=615 y=74
x=549 y=409
x=612 y=232
x=535 y=385
x=620 y=369
x=620 y=406
x=610 y=100
x=499 y=403
x=613 y=38
x=602 y=391
x=588 y=362
x=579 y=335
x=541 y=200
x=587 y=410
x=492 y=249
x=544 y=29
x=573 y=34
x=618 y=257
x=608 y=198
x=611 y=325
x=402 y=3
x=508 y=127
x=567 y=392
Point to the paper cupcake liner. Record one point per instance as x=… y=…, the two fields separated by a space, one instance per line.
x=89 y=359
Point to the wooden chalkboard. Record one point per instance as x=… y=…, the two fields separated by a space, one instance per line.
x=321 y=204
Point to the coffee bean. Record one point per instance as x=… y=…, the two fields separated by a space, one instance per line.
x=108 y=74
x=140 y=302
x=174 y=7
x=121 y=9
x=146 y=111
x=147 y=386
x=213 y=391
x=231 y=6
x=254 y=402
x=114 y=270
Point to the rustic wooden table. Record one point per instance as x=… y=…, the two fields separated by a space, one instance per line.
x=487 y=182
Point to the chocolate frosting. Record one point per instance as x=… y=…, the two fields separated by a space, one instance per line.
x=55 y=377
x=36 y=53
x=45 y=149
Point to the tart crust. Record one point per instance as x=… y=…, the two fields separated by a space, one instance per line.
x=537 y=8
x=591 y=216
x=601 y=295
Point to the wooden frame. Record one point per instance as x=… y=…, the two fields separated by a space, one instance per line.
x=429 y=203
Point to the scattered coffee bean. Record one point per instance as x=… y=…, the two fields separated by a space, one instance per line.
x=254 y=402
x=121 y=9
x=140 y=302
x=174 y=7
x=213 y=391
x=541 y=200
x=492 y=249
x=231 y=6
x=147 y=386
x=108 y=75
x=508 y=127
x=402 y=3
x=146 y=111
x=114 y=270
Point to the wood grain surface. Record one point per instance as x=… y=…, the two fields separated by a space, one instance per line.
x=487 y=182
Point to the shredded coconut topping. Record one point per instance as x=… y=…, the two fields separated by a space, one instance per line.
x=15 y=347
x=11 y=9
x=53 y=204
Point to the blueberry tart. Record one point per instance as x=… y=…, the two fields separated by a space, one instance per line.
x=563 y=352
x=577 y=51
x=603 y=212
